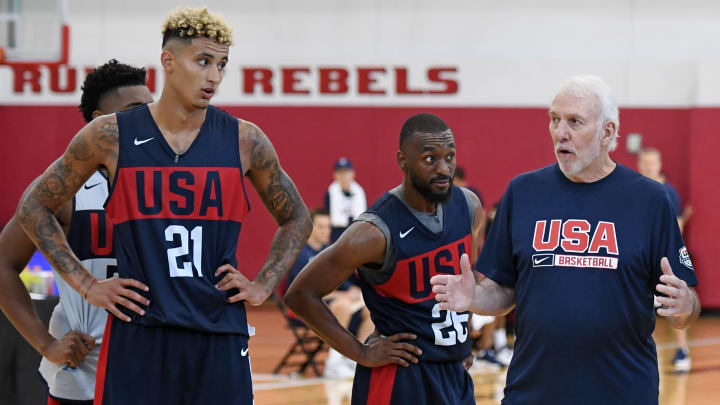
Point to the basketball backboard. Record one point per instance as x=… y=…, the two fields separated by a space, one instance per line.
x=33 y=31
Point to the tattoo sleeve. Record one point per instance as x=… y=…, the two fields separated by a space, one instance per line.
x=36 y=211
x=282 y=199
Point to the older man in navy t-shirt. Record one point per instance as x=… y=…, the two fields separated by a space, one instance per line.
x=580 y=247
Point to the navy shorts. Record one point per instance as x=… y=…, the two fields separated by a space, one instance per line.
x=420 y=384
x=169 y=365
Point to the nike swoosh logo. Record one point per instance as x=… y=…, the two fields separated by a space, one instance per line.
x=538 y=261
x=89 y=187
x=243 y=352
x=143 y=141
x=404 y=234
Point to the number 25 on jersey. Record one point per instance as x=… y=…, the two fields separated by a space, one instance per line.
x=452 y=330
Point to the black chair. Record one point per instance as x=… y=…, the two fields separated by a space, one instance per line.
x=307 y=345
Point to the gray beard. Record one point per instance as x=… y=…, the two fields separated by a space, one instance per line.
x=581 y=164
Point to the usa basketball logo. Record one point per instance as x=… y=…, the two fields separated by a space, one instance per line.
x=575 y=236
x=685 y=258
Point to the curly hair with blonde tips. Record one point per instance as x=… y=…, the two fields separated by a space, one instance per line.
x=187 y=23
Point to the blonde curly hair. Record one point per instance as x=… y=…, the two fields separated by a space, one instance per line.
x=189 y=22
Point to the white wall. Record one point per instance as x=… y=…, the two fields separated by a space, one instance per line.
x=508 y=53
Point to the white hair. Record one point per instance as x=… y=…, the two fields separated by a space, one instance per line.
x=589 y=85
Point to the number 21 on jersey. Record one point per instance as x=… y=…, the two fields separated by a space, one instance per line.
x=186 y=269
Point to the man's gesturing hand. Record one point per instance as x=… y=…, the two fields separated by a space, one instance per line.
x=679 y=300
x=455 y=293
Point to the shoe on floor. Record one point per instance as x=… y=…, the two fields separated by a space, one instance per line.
x=681 y=362
x=504 y=356
x=484 y=363
x=338 y=366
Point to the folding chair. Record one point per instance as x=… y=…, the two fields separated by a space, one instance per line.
x=307 y=345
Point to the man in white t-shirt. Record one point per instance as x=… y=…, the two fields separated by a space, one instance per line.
x=345 y=199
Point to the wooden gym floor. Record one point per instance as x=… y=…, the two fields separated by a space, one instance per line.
x=700 y=387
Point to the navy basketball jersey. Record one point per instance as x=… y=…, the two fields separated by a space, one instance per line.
x=405 y=301
x=91 y=239
x=177 y=219
x=91 y=234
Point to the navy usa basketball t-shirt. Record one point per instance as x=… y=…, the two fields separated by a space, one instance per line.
x=584 y=260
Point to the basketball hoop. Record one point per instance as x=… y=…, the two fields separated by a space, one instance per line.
x=46 y=44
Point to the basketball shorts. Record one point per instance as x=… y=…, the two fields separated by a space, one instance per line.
x=420 y=384
x=151 y=365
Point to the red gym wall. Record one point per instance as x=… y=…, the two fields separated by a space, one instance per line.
x=494 y=145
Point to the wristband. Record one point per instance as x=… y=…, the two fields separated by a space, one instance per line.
x=89 y=287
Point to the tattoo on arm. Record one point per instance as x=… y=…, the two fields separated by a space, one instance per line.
x=58 y=185
x=282 y=199
x=106 y=138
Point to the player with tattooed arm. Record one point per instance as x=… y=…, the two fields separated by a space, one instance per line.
x=71 y=346
x=177 y=203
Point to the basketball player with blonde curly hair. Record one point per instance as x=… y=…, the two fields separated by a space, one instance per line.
x=177 y=202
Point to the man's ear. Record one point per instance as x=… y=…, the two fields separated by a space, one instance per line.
x=402 y=160
x=609 y=130
x=167 y=60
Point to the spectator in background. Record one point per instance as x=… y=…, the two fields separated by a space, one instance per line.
x=346 y=303
x=319 y=239
x=345 y=199
x=460 y=180
x=490 y=217
x=650 y=166
x=493 y=346
x=503 y=352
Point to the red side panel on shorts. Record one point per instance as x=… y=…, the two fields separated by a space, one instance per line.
x=382 y=380
x=102 y=363
x=52 y=401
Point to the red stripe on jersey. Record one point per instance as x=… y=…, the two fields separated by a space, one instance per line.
x=410 y=281
x=102 y=363
x=205 y=193
x=382 y=380
x=95 y=247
